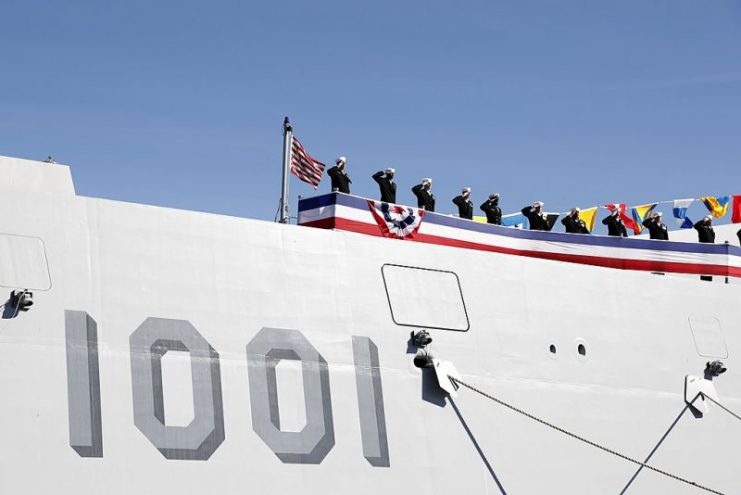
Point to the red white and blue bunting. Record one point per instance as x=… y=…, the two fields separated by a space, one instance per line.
x=399 y=222
x=345 y=212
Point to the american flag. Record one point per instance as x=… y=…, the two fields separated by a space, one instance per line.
x=304 y=166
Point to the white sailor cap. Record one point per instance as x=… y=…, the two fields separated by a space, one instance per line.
x=537 y=203
x=575 y=209
x=708 y=217
x=466 y=189
x=389 y=171
x=426 y=180
x=658 y=214
x=495 y=195
x=341 y=159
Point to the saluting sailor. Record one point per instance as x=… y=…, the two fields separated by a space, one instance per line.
x=425 y=198
x=705 y=232
x=538 y=219
x=465 y=206
x=574 y=224
x=386 y=184
x=657 y=230
x=615 y=225
x=492 y=209
x=340 y=180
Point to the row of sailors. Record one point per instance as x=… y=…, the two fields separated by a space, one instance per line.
x=537 y=218
x=423 y=191
x=615 y=226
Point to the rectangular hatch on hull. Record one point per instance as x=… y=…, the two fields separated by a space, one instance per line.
x=708 y=336
x=23 y=263
x=427 y=298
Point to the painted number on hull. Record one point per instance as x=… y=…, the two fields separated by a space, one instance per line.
x=203 y=436
x=148 y=344
x=83 y=384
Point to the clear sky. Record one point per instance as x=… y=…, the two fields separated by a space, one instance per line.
x=180 y=104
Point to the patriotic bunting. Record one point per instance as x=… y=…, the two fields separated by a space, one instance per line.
x=717 y=205
x=349 y=213
x=396 y=221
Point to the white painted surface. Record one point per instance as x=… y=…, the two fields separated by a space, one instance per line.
x=290 y=395
x=23 y=263
x=231 y=277
x=32 y=176
x=708 y=336
x=177 y=388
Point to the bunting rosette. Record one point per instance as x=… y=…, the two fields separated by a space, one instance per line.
x=399 y=222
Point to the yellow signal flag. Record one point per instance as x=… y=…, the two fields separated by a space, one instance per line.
x=641 y=213
x=589 y=215
x=716 y=205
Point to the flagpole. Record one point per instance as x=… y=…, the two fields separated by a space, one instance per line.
x=287 y=138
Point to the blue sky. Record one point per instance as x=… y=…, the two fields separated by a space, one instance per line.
x=180 y=104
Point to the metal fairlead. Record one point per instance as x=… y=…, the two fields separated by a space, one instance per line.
x=714 y=369
x=21 y=300
x=424 y=357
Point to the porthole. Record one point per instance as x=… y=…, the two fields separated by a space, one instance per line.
x=580 y=345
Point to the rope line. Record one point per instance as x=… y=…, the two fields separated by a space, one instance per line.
x=586 y=441
x=721 y=406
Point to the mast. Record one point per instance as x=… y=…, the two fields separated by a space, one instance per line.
x=287 y=140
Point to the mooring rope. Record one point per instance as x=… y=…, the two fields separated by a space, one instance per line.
x=721 y=406
x=590 y=442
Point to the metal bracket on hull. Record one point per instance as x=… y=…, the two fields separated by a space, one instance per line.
x=19 y=301
x=445 y=372
x=446 y=376
x=696 y=389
